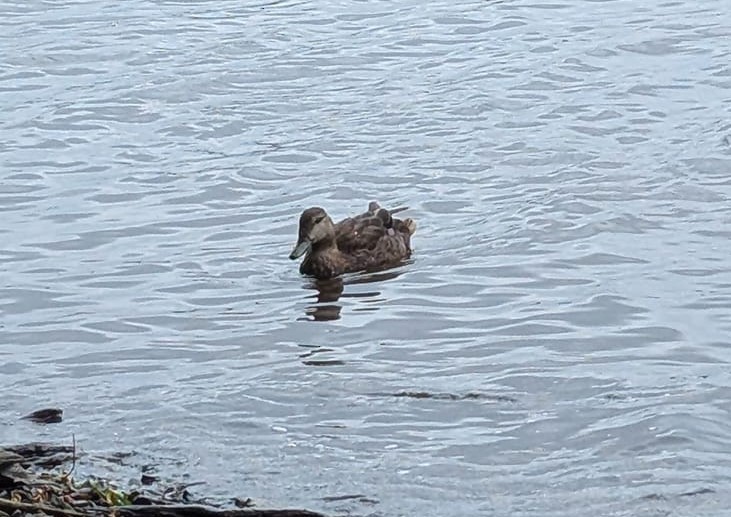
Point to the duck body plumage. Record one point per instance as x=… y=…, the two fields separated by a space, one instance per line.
x=372 y=240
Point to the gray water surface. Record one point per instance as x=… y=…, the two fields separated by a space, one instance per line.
x=559 y=344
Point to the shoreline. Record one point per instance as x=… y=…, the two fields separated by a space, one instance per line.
x=32 y=482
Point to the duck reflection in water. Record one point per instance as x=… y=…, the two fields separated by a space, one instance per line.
x=330 y=291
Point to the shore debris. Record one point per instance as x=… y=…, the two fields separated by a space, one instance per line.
x=31 y=485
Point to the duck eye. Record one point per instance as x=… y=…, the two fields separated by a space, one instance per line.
x=319 y=219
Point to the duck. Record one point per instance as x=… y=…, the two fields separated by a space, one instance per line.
x=373 y=239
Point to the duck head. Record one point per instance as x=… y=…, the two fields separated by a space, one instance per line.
x=315 y=227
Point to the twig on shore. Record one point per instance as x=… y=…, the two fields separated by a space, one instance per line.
x=202 y=511
x=67 y=475
x=7 y=504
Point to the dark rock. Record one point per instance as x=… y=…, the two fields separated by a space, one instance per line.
x=45 y=416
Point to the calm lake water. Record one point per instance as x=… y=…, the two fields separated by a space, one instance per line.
x=558 y=346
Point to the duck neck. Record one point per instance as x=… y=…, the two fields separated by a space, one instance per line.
x=325 y=245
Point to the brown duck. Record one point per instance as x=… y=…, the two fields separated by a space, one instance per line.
x=371 y=240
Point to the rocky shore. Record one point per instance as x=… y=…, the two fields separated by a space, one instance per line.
x=37 y=479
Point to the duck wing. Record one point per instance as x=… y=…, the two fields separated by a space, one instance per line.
x=359 y=233
x=374 y=238
x=380 y=246
x=384 y=214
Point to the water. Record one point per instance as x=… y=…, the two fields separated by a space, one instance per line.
x=559 y=344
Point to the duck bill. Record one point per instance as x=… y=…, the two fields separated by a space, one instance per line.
x=302 y=247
